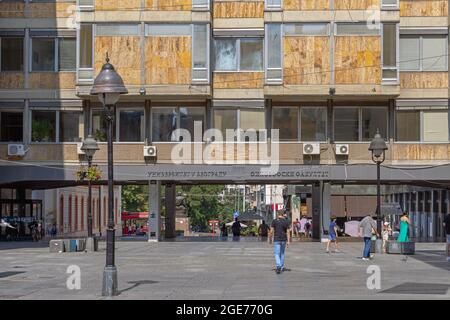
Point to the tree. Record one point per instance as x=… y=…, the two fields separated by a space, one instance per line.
x=135 y=198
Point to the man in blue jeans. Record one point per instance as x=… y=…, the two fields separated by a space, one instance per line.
x=281 y=238
x=367 y=227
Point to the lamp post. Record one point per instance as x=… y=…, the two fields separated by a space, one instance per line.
x=108 y=85
x=378 y=148
x=89 y=147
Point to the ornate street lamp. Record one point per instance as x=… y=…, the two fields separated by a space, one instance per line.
x=109 y=86
x=89 y=147
x=378 y=148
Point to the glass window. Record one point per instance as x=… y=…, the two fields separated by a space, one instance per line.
x=117 y=30
x=86 y=46
x=225 y=119
x=306 y=29
x=188 y=117
x=273 y=44
x=252 y=120
x=67 y=49
x=390 y=51
x=409 y=53
x=238 y=54
x=200 y=46
x=435 y=126
x=346 y=124
x=225 y=55
x=11 y=54
x=11 y=124
x=43 y=55
x=273 y=4
x=131 y=125
x=434 y=53
x=408 y=125
x=357 y=29
x=374 y=119
x=43 y=126
x=100 y=126
x=285 y=119
x=313 y=124
x=251 y=54
x=164 y=124
x=71 y=126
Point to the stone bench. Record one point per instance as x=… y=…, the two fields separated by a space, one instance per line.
x=67 y=245
x=394 y=247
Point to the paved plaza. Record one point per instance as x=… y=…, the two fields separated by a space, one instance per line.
x=223 y=270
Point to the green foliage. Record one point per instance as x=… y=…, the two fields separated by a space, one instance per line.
x=204 y=203
x=42 y=130
x=135 y=198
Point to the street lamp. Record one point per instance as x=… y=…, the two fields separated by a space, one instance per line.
x=89 y=147
x=109 y=86
x=378 y=148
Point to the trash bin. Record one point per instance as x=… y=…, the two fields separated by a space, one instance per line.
x=81 y=245
x=56 y=245
x=92 y=244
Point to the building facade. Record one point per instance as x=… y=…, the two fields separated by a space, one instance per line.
x=326 y=74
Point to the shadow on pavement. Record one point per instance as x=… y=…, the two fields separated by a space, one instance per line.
x=135 y=284
x=435 y=258
x=11 y=245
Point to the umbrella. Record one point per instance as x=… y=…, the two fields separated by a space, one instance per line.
x=250 y=216
x=229 y=224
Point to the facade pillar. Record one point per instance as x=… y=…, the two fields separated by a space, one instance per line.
x=321 y=208
x=170 y=197
x=154 y=217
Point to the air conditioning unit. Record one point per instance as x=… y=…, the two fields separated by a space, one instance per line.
x=150 y=151
x=342 y=149
x=16 y=150
x=311 y=148
x=79 y=151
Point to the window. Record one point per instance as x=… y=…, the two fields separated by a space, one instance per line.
x=43 y=126
x=285 y=120
x=71 y=126
x=306 y=29
x=274 y=71
x=131 y=125
x=53 y=54
x=86 y=46
x=359 y=123
x=357 y=29
x=166 y=120
x=422 y=125
x=11 y=126
x=313 y=124
x=200 y=4
x=240 y=54
x=273 y=4
x=200 y=53
x=100 y=126
x=423 y=53
x=243 y=119
x=389 y=4
x=408 y=126
x=390 y=70
x=11 y=54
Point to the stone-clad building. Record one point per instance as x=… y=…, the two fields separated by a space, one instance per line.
x=326 y=73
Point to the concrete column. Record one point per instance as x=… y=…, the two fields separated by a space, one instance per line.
x=170 y=197
x=269 y=118
x=321 y=208
x=154 y=218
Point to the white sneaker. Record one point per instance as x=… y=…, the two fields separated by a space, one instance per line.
x=365 y=259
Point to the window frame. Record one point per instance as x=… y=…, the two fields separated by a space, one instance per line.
x=297 y=108
x=177 y=108
x=238 y=122
x=208 y=55
x=56 y=54
x=394 y=81
x=23 y=54
x=266 y=55
x=268 y=7
x=360 y=125
x=13 y=110
x=356 y=23
x=389 y=6
x=120 y=108
x=420 y=37
x=238 y=53
x=78 y=60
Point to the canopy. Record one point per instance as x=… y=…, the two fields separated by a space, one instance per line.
x=134 y=215
x=250 y=216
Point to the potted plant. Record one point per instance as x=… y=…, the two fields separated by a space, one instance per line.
x=88 y=173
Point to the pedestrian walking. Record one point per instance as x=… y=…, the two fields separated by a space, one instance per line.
x=279 y=235
x=308 y=228
x=296 y=227
x=333 y=235
x=236 y=229
x=404 y=227
x=446 y=225
x=367 y=228
x=263 y=230
x=224 y=231
x=385 y=234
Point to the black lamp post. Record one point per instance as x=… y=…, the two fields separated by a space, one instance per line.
x=89 y=148
x=378 y=148
x=109 y=86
